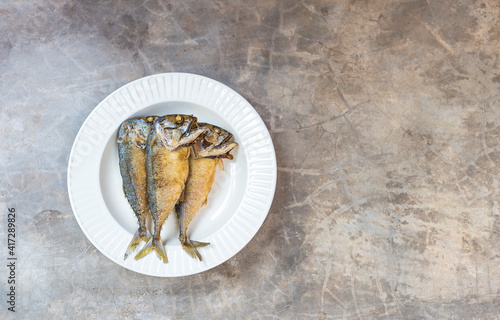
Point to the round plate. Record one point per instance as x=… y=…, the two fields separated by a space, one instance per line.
x=237 y=204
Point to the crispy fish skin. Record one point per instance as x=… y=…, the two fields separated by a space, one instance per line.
x=167 y=168
x=132 y=137
x=198 y=185
x=207 y=152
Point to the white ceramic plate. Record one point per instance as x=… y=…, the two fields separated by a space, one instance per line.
x=241 y=195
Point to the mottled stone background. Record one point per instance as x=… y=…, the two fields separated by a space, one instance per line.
x=385 y=117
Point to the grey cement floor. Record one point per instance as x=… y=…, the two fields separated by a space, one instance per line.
x=385 y=118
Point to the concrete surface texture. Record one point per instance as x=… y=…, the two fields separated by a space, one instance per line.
x=385 y=118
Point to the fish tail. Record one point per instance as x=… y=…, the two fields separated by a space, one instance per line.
x=137 y=239
x=190 y=247
x=154 y=244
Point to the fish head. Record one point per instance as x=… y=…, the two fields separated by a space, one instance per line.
x=176 y=130
x=134 y=130
x=214 y=143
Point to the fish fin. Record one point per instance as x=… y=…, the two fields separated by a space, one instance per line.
x=199 y=244
x=190 y=247
x=204 y=202
x=221 y=164
x=137 y=239
x=192 y=150
x=155 y=245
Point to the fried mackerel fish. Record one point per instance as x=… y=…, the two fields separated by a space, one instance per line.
x=167 y=167
x=207 y=151
x=132 y=138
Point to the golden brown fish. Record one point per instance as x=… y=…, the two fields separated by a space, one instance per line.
x=207 y=151
x=132 y=138
x=167 y=168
